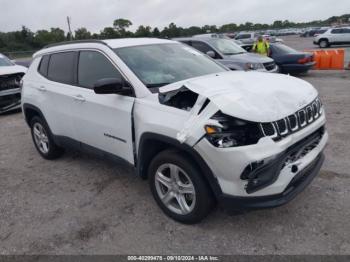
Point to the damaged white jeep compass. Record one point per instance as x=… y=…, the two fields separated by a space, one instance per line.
x=200 y=134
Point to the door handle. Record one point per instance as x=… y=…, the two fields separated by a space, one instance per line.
x=41 y=88
x=79 y=98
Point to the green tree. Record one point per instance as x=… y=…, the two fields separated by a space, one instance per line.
x=143 y=31
x=108 y=33
x=156 y=32
x=228 y=28
x=120 y=25
x=277 y=24
x=82 y=33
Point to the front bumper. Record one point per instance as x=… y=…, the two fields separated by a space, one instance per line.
x=10 y=100
x=297 y=185
x=228 y=164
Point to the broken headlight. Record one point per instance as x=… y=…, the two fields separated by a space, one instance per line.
x=233 y=132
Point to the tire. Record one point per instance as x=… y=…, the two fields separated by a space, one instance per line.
x=189 y=188
x=41 y=135
x=323 y=43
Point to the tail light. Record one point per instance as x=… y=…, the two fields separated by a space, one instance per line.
x=305 y=60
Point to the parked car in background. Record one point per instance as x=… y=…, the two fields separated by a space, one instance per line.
x=333 y=36
x=289 y=60
x=10 y=84
x=200 y=134
x=230 y=54
x=272 y=39
x=246 y=37
x=313 y=32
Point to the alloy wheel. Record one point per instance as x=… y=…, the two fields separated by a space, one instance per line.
x=40 y=137
x=175 y=189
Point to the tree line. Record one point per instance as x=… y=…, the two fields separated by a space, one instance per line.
x=25 y=39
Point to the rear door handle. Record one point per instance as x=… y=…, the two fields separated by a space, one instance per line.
x=79 y=98
x=41 y=88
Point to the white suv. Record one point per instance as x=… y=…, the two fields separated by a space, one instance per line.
x=333 y=36
x=200 y=133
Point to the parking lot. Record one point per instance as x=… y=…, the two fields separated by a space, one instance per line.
x=81 y=204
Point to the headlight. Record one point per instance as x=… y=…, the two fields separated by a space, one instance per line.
x=233 y=132
x=254 y=66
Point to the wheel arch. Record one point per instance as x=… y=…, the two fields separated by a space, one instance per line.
x=323 y=39
x=30 y=111
x=150 y=144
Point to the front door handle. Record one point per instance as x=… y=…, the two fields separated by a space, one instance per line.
x=41 y=88
x=79 y=98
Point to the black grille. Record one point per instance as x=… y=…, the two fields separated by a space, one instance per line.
x=10 y=81
x=310 y=114
x=302 y=117
x=314 y=109
x=293 y=123
x=269 y=66
x=268 y=129
x=282 y=127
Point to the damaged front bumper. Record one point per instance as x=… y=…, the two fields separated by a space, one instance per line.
x=277 y=164
x=297 y=185
x=10 y=100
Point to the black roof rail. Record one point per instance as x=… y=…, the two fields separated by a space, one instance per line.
x=76 y=42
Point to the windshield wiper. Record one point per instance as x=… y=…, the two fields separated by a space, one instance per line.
x=157 y=85
x=234 y=53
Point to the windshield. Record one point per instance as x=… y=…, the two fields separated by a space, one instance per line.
x=285 y=49
x=161 y=64
x=226 y=47
x=4 y=61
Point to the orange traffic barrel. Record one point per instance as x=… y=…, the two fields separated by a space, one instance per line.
x=337 y=59
x=329 y=59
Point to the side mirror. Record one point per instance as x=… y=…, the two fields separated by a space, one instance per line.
x=112 y=86
x=211 y=54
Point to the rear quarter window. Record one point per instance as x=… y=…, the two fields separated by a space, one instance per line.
x=44 y=65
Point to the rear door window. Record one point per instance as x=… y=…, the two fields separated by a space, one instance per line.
x=337 y=31
x=62 y=67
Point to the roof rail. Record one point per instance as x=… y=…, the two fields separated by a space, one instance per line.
x=76 y=42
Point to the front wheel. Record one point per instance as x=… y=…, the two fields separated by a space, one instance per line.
x=178 y=188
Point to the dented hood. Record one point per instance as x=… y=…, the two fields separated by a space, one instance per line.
x=253 y=96
x=13 y=69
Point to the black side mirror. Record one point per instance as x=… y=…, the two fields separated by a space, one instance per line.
x=112 y=86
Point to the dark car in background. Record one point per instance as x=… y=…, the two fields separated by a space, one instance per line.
x=230 y=54
x=313 y=32
x=289 y=60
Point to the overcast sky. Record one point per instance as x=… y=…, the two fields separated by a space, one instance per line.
x=97 y=14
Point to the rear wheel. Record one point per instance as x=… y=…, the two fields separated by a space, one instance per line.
x=178 y=188
x=323 y=43
x=43 y=140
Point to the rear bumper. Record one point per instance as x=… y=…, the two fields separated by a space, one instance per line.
x=297 y=185
x=297 y=68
